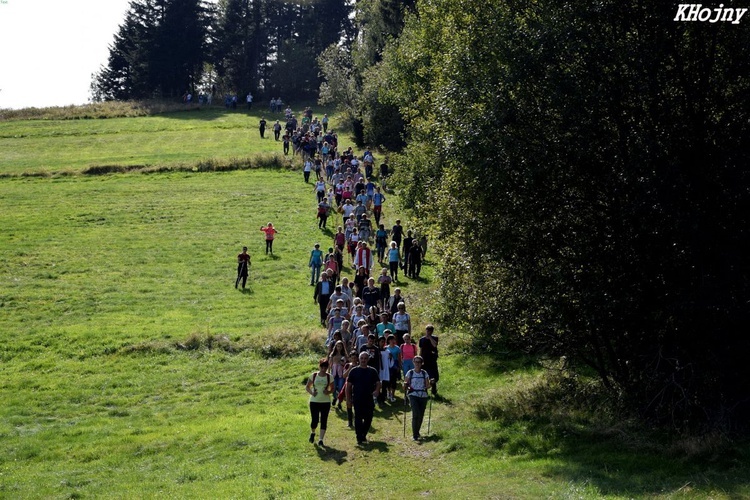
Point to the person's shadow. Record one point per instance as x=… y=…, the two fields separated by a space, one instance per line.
x=326 y=453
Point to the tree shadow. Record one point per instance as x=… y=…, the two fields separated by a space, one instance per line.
x=622 y=463
x=327 y=454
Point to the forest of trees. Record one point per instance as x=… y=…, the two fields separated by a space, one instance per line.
x=581 y=167
x=165 y=48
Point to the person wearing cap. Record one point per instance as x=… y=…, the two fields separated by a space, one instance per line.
x=416 y=384
x=243 y=262
x=428 y=350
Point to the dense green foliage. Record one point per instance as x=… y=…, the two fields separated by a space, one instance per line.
x=583 y=166
x=353 y=78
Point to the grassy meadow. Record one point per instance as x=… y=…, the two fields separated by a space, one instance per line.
x=130 y=366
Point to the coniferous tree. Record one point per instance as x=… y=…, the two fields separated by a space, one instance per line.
x=158 y=51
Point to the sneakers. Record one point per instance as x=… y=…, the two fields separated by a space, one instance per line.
x=416 y=438
x=320 y=442
x=312 y=437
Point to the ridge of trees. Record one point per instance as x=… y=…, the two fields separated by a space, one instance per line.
x=165 y=48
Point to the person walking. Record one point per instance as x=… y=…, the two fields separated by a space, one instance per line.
x=320 y=387
x=316 y=262
x=394 y=260
x=402 y=320
x=270 y=234
x=262 y=128
x=428 y=350
x=243 y=263
x=416 y=385
x=322 y=294
x=276 y=130
x=363 y=385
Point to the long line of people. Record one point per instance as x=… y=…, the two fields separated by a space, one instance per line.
x=370 y=343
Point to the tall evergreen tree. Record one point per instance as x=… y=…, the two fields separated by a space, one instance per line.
x=158 y=51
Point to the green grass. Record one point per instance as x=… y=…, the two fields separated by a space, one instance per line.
x=104 y=278
x=167 y=139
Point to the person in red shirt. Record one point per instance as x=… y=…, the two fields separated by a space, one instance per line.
x=243 y=262
x=270 y=232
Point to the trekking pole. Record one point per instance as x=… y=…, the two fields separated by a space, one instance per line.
x=405 y=396
x=429 y=418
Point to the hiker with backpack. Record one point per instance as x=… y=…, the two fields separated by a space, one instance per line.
x=320 y=387
x=416 y=385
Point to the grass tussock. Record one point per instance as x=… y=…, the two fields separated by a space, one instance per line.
x=272 y=161
x=271 y=346
x=97 y=110
x=553 y=397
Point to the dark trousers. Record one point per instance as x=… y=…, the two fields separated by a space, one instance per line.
x=241 y=275
x=319 y=412
x=415 y=267
x=269 y=246
x=323 y=301
x=418 y=407
x=363 y=412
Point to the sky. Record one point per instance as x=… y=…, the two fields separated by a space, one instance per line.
x=50 y=48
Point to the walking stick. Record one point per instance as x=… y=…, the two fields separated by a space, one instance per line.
x=405 y=396
x=429 y=417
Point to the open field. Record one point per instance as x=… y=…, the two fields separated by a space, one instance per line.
x=130 y=367
x=186 y=137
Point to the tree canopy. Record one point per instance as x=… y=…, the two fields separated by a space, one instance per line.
x=582 y=168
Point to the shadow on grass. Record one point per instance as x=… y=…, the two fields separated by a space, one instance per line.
x=272 y=257
x=248 y=290
x=374 y=445
x=327 y=232
x=327 y=454
x=622 y=464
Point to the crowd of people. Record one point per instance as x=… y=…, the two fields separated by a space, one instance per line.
x=373 y=358
x=372 y=353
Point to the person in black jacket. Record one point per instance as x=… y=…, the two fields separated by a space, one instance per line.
x=322 y=295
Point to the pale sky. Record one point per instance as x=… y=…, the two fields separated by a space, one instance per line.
x=50 y=48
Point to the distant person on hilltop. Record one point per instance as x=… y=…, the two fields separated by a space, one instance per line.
x=270 y=232
x=243 y=262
